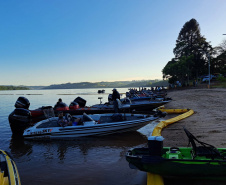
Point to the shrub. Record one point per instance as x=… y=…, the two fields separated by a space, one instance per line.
x=221 y=79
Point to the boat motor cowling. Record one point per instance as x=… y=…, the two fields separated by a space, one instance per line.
x=74 y=105
x=22 y=112
x=80 y=101
x=22 y=102
x=19 y=120
x=110 y=98
x=61 y=107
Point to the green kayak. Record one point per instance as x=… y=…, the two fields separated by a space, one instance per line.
x=201 y=161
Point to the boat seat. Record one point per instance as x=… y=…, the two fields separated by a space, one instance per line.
x=204 y=149
x=119 y=103
x=117 y=117
x=122 y=107
x=52 y=123
x=85 y=117
x=105 y=119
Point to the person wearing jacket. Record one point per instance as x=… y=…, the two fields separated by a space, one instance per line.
x=115 y=95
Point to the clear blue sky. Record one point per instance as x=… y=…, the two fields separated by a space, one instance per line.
x=44 y=42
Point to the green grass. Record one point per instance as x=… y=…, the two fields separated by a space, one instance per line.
x=219 y=85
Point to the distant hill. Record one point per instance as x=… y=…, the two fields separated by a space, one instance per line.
x=101 y=85
x=87 y=85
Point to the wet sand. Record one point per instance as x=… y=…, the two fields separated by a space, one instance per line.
x=207 y=123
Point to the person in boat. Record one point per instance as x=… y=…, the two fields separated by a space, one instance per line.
x=62 y=121
x=115 y=96
x=58 y=103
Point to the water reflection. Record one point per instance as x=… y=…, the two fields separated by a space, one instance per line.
x=20 y=147
x=99 y=160
x=96 y=160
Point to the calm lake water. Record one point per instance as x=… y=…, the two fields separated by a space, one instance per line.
x=97 y=161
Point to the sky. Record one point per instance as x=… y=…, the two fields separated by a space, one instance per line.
x=44 y=42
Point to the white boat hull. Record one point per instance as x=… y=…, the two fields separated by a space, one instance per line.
x=95 y=129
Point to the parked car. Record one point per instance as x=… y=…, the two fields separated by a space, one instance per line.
x=206 y=78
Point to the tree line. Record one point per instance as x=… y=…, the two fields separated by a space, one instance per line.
x=13 y=88
x=101 y=85
x=192 y=55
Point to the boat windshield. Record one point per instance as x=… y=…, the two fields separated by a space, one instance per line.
x=48 y=124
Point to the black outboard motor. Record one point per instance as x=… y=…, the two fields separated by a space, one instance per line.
x=80 y=101
x=128 y=94
x=61 y=105
x=74 y=105
x=19 y=120
x=22 y=102
x=110 y=98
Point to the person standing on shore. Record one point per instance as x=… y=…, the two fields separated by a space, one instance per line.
x=115 y=96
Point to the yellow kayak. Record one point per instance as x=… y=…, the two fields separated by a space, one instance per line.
x=8 y=174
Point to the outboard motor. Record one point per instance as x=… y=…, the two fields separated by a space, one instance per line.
x=110 y=98
x=22 y=102
x=19 y=120
x=61 y=107
x=128 y=94
x=80 y=101
x=74 y=105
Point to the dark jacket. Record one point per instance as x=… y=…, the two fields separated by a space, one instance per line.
x=115 y=95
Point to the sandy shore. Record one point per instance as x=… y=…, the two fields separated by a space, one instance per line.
x=208 y=123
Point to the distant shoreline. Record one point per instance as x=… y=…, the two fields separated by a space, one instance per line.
x=100 y=85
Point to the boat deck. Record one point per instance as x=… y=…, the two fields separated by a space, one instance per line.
x=101 y=120
x=118 y=118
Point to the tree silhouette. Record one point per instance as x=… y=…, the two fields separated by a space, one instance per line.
x=190 y=54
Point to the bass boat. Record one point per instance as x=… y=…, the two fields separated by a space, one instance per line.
x=89 y=125
x=128 y=105
x=22 y=118
x=201 y=161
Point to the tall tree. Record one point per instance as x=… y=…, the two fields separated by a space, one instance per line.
x=191 y=50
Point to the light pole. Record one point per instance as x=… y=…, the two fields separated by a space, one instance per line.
x=209 y=66
x=208 y=57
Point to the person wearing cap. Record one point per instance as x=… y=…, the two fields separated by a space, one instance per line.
x=115 y=95
x=62 y=121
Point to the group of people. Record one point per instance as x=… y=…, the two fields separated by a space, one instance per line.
x=62 y=121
